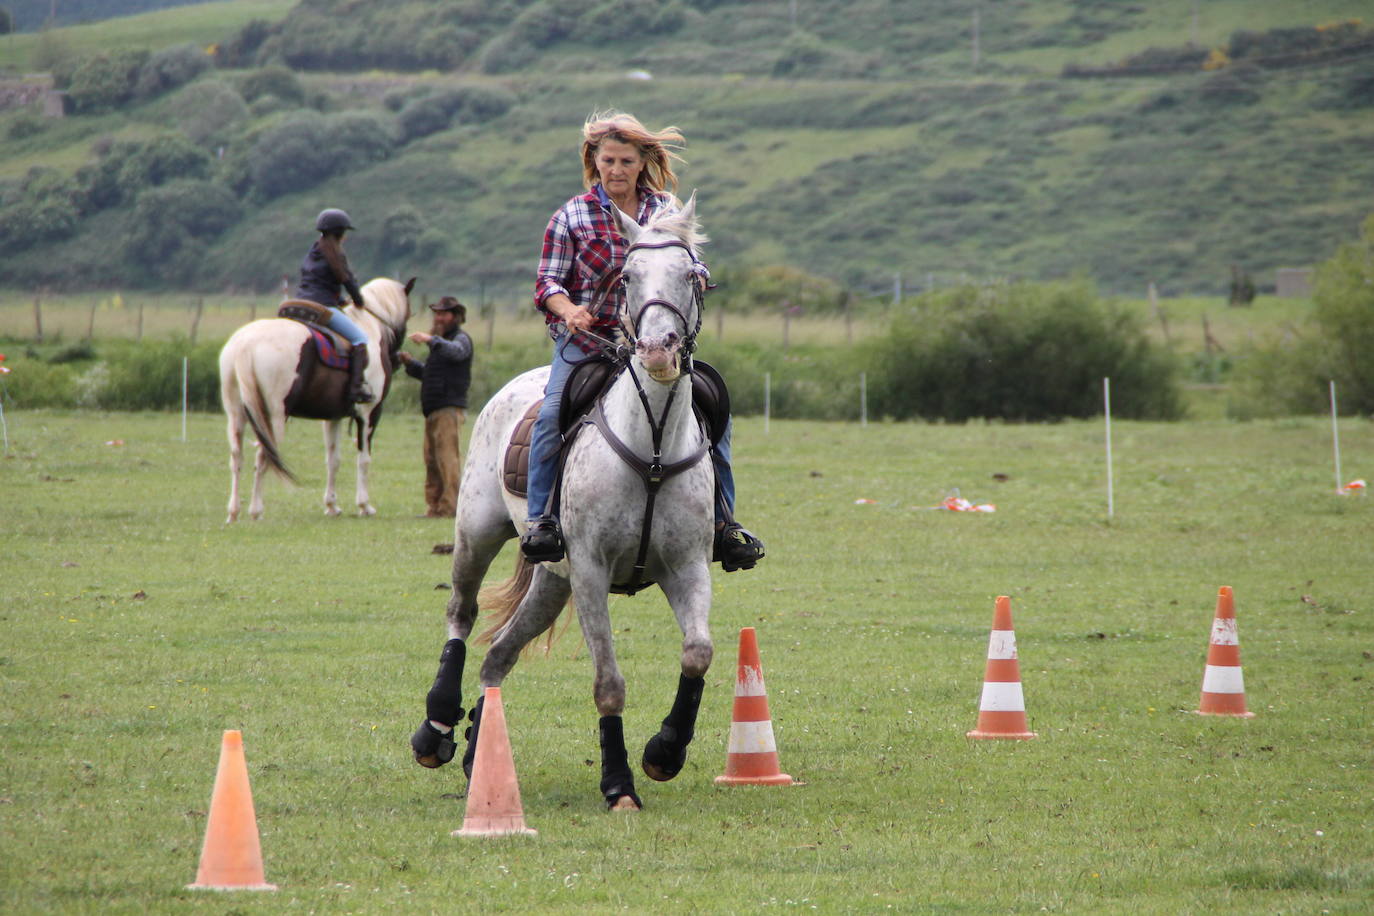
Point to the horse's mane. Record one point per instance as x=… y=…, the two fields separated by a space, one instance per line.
x=679 y=225
x=389 y=294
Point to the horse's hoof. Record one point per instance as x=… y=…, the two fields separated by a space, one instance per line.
x=332 y=511
x=366 y=511
x=660 y=764
x=625 y=803
x=432 y=748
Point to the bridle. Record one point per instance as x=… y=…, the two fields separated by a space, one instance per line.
x=653 y=471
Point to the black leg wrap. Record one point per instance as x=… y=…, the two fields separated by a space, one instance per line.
x=616 y=780
x=471 y=734
x=432 y=747
x=444 y=703
x=666 y=752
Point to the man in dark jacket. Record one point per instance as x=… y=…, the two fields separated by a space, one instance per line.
x=444 y=379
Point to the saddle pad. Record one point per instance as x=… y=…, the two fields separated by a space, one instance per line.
x=516 y=474
x=326 y=347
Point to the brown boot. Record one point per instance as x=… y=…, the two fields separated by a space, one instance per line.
x=358 y=390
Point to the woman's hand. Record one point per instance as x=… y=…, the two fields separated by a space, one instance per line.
x=578 y=319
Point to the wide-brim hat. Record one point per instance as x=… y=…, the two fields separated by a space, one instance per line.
x=450 y=304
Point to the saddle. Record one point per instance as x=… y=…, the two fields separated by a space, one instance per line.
x=588 y=381
x=331 y=348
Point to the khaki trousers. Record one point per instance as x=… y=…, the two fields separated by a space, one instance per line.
x=443 y=460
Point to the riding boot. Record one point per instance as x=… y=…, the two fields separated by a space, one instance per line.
x=542 y=542
x=358 y=390
x=735 y=547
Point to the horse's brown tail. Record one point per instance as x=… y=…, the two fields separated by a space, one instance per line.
x=504 y=599
x=255 y=409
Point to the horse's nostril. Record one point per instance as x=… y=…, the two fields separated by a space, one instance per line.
x=670 y=338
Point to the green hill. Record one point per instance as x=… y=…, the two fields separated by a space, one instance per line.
x=858 y=141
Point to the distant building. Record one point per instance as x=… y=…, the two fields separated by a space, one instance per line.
x=1293 y=282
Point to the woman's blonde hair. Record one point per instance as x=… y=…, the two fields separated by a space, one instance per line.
x=658 y=148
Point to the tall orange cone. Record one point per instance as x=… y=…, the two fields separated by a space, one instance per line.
x=231 y=859
x=1223 y=687
x=1002 y=709
x=493 y=793
x=752 y=757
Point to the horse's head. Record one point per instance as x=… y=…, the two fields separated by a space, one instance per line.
x=662 y=290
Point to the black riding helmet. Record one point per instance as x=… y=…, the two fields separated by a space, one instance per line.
x=332 y=220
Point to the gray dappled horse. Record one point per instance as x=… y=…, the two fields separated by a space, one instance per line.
x=268 y=371
x=604 y=499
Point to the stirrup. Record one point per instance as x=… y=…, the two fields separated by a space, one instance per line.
x=543 y=541
x=736 y=548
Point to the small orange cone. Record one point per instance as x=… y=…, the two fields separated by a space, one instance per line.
x=493 y=794
x=231 y=859
x=752 y=757
x=1223 y=687
x=1002 y=709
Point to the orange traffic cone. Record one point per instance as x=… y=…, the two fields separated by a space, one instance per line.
x=1002 y=710
x=1223 y=687
x=493 y=793
x=231 y=859
x=752 y=757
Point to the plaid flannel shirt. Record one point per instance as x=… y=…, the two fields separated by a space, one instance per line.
x=581 y=248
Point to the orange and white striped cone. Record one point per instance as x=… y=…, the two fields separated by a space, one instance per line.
x=752 y=757
x=1002 y=709
x=1223 y=687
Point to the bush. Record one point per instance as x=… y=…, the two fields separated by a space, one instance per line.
x=105 y=81
x=42 y=209
x=172 y=224
x=149 y=377
x=1343 y=300
x=171 y=68
x=208 y=111
x=1019 y=352
x=152 y=162
x=292 y=156
x=276 y=81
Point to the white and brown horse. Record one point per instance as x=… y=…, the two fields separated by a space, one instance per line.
x=269 y=370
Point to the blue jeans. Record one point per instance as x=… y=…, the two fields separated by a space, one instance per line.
x=344 y=325
x=545 y=440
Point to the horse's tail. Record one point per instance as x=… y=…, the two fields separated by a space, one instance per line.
x=504 y=599
x=255 y=409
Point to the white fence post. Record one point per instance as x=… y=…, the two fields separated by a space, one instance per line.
x=1336 y=439
x=184 y=395
x=863 y=398
x=767 y=399
x=1107 y=411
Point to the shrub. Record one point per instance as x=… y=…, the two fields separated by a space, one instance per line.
x=172 y=223
x=291 y=156
x=105 y=81
x=209 y=110
x=148 y=377
x=152 y=162
x=1343 y=300
x=1019 y=352
x=171 y=68
x=275 y=81
x=43 y=208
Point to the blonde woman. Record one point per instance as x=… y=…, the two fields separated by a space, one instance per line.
x=627 y=166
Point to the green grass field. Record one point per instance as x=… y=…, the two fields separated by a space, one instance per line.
x=138 y=627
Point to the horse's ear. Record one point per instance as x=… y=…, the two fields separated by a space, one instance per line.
x=627 y=225
x=689 y=209
x=410 y=284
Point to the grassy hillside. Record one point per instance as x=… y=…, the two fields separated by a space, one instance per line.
x=860 y=144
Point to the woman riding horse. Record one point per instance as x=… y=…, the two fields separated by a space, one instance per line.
x=324 y=274
x=629 y=167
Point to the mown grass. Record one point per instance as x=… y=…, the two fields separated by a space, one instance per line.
x=138 y=626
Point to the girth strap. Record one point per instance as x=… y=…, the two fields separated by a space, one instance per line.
x=653 y=474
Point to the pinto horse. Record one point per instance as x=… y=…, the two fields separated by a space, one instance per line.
x=268 y=371
x=645 y=421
